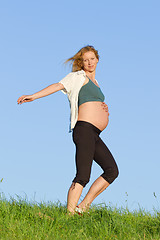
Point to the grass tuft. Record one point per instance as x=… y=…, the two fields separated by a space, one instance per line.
x=20 y=219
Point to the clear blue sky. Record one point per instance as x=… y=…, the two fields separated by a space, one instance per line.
x=36 y=150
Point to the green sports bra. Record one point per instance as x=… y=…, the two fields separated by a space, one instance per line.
x=89 y=93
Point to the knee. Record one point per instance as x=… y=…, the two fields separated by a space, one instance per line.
x=82 y=181
x=111 y=174
x=115 y=173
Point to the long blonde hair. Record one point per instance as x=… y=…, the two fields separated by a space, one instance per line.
x=77 y=59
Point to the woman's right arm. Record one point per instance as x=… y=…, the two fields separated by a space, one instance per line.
x=55 y=87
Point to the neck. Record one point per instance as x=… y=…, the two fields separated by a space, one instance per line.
x=91 y=75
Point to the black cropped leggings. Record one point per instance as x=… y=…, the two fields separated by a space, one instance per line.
x=89 y=147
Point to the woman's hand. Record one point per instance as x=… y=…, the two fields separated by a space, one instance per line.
x=25 y=98
x=105 y=107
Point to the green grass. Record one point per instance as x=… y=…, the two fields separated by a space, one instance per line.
x=20 y=220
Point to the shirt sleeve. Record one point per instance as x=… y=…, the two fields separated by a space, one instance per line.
x=66 y=81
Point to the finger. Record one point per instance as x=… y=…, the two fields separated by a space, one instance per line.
x=19 y=100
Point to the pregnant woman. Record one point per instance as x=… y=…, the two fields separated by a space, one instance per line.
x=89 y=117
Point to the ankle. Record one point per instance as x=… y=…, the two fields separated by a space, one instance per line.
x=84 y=207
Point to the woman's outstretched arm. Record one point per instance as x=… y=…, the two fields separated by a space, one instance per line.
x=55 y=87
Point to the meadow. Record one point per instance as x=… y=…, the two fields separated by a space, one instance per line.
x=20 y=219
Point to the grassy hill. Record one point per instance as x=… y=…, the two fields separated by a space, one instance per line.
x=22 y=220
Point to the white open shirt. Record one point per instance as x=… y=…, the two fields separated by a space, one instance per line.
x=72 y=84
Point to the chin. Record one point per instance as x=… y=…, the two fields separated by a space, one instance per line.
x=91 y=69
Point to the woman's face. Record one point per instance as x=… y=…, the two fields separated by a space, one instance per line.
x=89 y=61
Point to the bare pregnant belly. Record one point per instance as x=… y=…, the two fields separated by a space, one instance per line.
x=93 y=113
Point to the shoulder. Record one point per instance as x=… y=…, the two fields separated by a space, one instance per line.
x=72 y=76
x=74 y=80
x=78 y=73
x=81 y=72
